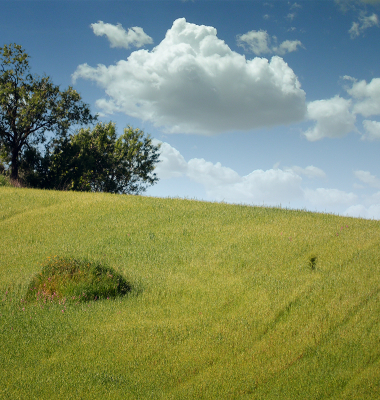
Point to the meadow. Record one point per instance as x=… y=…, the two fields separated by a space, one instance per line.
x=226 y=301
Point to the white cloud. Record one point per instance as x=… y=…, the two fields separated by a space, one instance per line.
x=309 y=172
x=372 y=128
x=354 y=30
x=259 y=42
x=359 y=210
x=172 y=164
x=329 y=197
x=288 y=46
x=364 y=23
x=211 y=175
x=369 y=206
x=333 y=118
x=118 y=36
x=366 y=177
x=224 y=184
x=367 y=96
x=271 y=187
x=291 y=16
x=192 y=82
x=295 y=5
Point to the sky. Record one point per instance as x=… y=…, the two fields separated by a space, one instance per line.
x=270 y=103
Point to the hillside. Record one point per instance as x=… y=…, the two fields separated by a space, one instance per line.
x=228 y=301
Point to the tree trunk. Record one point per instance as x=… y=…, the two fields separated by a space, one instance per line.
x=14 y=165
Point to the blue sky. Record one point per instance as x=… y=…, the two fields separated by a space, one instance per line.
x=255 y=102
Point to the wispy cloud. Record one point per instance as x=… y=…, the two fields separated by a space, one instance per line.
x=309 y=172
x=119 y=37
x=295 y=6
x=259 y=43
x=363 y=24
x=367 y=178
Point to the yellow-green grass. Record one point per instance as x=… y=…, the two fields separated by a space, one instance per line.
x=226 y=301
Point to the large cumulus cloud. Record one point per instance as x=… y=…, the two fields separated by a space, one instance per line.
x=192 y=82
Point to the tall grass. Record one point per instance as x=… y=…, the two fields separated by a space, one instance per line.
x=229 y=302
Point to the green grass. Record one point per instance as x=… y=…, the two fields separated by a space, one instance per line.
x=227 y=301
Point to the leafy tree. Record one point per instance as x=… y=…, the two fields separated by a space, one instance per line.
x=96 y=160
x=30 y=106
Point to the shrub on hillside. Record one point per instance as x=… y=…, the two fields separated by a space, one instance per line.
x=71 y=280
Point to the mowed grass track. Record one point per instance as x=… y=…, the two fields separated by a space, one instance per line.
x=224 y=305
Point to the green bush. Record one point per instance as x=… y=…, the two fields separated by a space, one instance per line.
x=70 y=280
x=4 y=181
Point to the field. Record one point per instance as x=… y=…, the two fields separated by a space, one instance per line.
x=227 y=301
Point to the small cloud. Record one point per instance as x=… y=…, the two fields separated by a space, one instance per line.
x=354 y=31
x=171 y=162
x=295 y=6
x=372 y=130
x=349 y=78
x=362 y=211
x=346 y=5
x=367 y=96
x=333 y=118
x=364 y=23
x=309 y=172
x=259 y=42
x=288 y=46
x=367 y=178
x=119 y=37
x=291 y=16
x=329 y=197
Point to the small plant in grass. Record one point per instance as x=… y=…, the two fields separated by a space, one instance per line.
x=312 y=261
x=70 y=280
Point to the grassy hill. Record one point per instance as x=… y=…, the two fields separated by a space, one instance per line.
x=227 y=301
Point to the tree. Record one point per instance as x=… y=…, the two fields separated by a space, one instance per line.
x=96 y=160
x=30 y=106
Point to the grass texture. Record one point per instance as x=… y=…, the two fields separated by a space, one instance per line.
x=223 y=301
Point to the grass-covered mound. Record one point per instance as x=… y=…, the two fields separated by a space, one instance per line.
x=71 y=280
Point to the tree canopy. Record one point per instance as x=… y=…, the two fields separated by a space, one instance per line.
x=30 y=106
x=96 y=160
